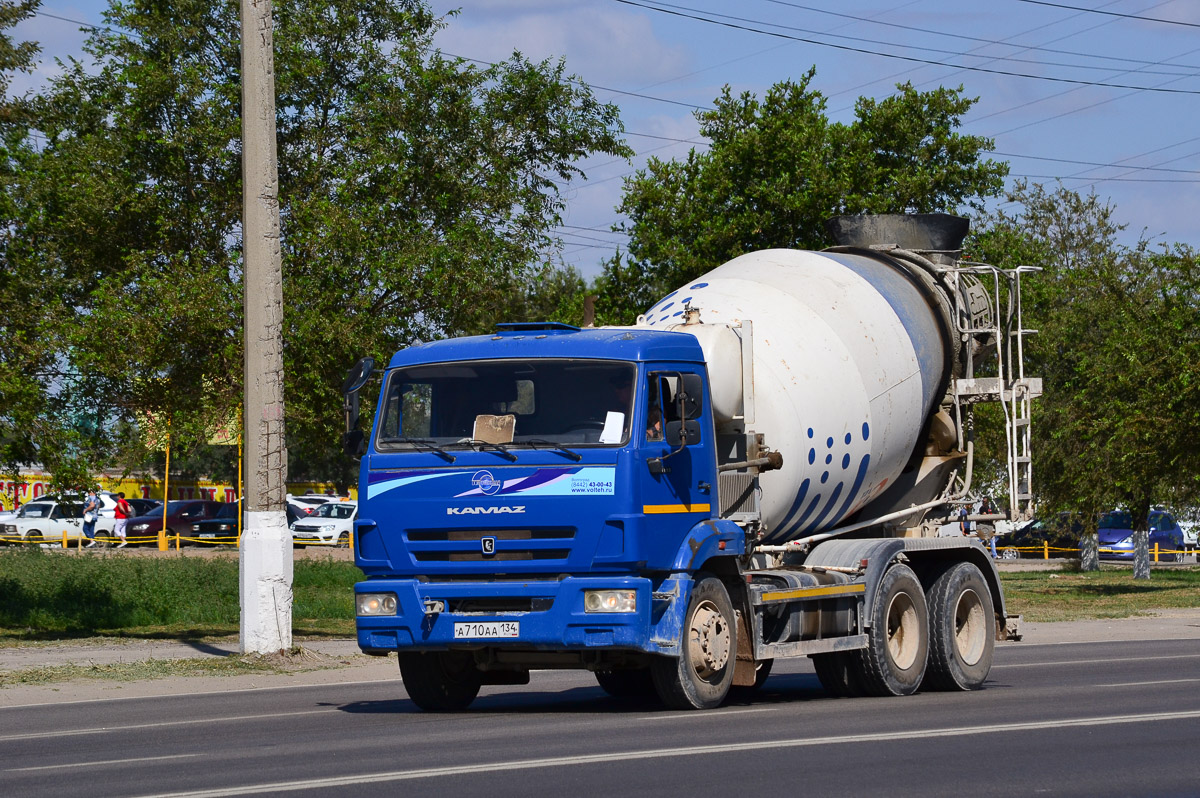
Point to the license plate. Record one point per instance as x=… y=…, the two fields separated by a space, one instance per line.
x=207 y=535
x=464 y=631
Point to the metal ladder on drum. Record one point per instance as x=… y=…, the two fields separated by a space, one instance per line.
x=1020 y=392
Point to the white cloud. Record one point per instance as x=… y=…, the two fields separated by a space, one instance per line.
x=601 y=42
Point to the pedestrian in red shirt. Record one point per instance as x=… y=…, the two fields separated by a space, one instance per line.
x=122 y=512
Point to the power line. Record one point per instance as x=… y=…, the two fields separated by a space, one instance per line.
x=1091 y=163
x=943 y=51
x=897 y=56
x=1112 y=13
x=964 y=37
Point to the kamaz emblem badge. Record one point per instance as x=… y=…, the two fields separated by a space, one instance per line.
x=488 y=546
x=487 y=484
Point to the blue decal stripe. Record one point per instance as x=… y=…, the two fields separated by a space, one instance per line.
x=382 y=487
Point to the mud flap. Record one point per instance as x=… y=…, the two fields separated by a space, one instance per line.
x=670 y=603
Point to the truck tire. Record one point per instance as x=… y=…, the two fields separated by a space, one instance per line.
x=440 y=681
x=637 y=683
x=961 y=630
x=893 y=663
x=700 y=677
x=838 y=672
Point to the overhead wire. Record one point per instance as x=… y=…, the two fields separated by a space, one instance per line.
x=697 y=15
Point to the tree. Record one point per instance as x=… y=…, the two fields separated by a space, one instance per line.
x=776 y=169
x=418 y=193
x=1118 y=339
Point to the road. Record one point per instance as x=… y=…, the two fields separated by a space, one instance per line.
x=1094 y=719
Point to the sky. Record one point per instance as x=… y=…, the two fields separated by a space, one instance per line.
x=1102 y=94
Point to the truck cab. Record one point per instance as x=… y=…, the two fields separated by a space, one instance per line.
x=533 y=497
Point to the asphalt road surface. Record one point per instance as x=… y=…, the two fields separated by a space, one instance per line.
x=1088 y=719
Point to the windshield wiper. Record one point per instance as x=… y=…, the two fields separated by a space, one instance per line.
x=428 y=444
x=533 y=444
x=490 y=447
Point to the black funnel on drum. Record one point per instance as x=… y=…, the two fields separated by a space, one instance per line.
x=920 y=232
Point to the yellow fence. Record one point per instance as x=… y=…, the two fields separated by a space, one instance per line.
x=33 y=485
x=1157 y=554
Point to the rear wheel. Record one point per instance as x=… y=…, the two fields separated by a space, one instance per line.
x=440 y=681
x=893 y=663
x=1010 y=554
x=961 y=627
x=838 y=672
x=700 y=677
x=637 y=683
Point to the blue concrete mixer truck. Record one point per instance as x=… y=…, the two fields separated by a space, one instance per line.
x=756 y=469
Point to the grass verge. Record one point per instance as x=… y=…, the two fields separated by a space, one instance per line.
x=1072 y=595
x=45 y=595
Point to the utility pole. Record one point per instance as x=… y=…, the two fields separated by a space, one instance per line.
x=265 y=573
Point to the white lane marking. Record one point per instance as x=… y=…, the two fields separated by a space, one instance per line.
x=667 y=753
x=187 y=695
x=103 y=762
x=1140 y=684
x=1133 y=658
x=163 y=724
x=715 y=715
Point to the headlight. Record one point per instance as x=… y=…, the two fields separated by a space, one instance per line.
x=195 y=527
x=376 y=603
x=328 y=528
x=610 y=600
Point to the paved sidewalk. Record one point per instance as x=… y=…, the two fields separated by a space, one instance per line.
x=107 y=652
x=1181 y=624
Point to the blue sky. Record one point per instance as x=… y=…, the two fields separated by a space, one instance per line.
x=1135 y=140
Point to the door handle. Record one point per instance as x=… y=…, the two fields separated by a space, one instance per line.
x=704 y=487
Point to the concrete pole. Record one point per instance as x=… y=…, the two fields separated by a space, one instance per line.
x=1089 y=553
x=1141 y=554
x=266 y=551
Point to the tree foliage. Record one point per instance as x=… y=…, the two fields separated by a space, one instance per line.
x=1118 y=337
x=418 y=195
x=777 y=168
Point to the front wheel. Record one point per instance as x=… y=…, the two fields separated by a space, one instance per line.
x=961 y=626
x=440 y=681
x=893 y=663
x=343 y=540
x=34 y=537
x=1010 y=554
x=637 y=683
x=700 y=677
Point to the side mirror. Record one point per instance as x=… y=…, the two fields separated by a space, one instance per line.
x=354 y=441
x=691 y=397
x=358 y=375
x=683 y=433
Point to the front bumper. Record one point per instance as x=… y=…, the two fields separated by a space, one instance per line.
x=554 y=620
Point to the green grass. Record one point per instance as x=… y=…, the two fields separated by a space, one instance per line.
x=47 y=596
x=1071 y=595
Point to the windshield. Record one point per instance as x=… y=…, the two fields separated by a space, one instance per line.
x=334 y=510
x=508 y=402
x=35 y=511
x=1116 y=520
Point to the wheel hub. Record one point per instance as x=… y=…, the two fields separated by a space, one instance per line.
x=708 y=641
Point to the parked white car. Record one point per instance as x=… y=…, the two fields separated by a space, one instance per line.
x=45 y=522
x=331 y=523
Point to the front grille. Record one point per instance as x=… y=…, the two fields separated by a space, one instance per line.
x=475 y=535
x=465 y=545
x=498 y=606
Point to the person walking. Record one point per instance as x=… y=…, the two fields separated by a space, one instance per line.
x=123 y=512
x=91 y=511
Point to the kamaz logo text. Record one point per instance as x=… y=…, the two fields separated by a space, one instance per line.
x=515 y=508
